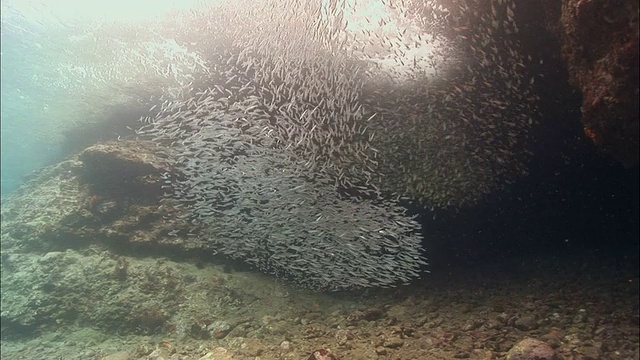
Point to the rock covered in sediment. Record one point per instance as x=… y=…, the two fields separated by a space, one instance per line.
x=531 y=349
x=108 y=193
x=322 y=354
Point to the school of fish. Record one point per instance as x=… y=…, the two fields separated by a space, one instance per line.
x=314 y=121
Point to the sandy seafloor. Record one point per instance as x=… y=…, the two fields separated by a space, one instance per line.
x=585 y=307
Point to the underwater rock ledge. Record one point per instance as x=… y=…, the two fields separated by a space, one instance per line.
x=107 y=193
x=83 y=243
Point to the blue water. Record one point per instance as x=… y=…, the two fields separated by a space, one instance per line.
x=31 y=94
x=64 y=66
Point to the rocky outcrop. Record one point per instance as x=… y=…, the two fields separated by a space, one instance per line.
x=91 y=241
x=600 y=47
x=109 y=193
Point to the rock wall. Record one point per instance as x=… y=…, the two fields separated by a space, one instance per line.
x=600 y=48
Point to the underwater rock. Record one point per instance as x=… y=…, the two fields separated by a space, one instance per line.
x=531 y=349
x=120 y=355
x=123 y=169
x=109 y=193
x=322 y=354
x=600 y=48
x=218 y=353
x=526 y=323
